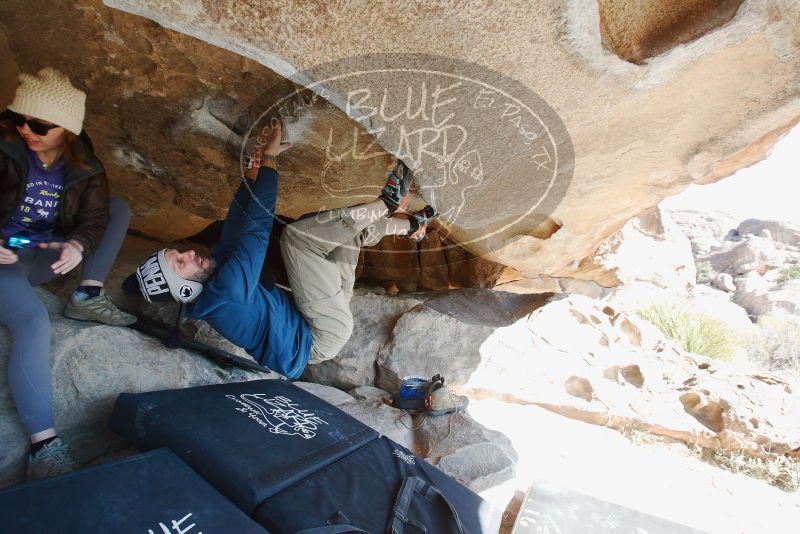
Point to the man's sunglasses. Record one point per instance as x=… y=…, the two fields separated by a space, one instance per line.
x=37 y=127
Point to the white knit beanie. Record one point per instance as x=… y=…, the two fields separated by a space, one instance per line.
x=50 y=96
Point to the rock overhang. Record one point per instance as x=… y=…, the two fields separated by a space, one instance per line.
x=640 y=132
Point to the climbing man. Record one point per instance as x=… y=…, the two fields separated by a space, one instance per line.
x=282 y=331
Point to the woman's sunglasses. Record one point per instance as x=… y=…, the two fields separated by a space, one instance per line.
x=37 y=127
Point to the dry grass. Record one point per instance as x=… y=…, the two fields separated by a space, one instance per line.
x=775 y=345
x=782 y=472
x=691 y=330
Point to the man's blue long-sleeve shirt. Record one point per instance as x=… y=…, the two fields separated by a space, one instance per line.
x=265 y=322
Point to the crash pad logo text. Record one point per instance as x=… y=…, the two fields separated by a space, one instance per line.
x=280 y=415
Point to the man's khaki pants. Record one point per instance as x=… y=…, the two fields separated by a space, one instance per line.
x=320 y=254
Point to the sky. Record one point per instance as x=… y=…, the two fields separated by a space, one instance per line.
x=769 y=189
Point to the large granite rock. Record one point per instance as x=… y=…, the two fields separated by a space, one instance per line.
x=471 y=453
x=706 y=230
x=462 y=320
x=637 y=31
x=435 y=264
x=760 y=297
x=616 y=113
x=593 y=362
x=650 y=248
x=751 y=254
x=91 y=364
x=785 y=232
x=702 y=299
x=373 y=319
x=413 y=350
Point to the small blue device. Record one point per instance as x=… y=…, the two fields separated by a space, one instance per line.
x=17 y=242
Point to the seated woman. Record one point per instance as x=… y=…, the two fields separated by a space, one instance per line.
x=54 y=214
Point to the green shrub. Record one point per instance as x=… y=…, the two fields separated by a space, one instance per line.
x=705 y=272
x=693 y=331
x=789 y=273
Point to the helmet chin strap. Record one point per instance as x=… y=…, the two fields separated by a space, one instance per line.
x=173 y=338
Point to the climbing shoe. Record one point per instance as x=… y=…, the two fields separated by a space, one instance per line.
x=397 y=185
x=419 y=221
x=444 y=401
x=100 y=309
x=52 y=459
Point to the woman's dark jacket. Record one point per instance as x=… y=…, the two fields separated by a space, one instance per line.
x=83 y=213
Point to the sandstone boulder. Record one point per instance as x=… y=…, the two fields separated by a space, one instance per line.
x=752 y=254
x=636 y=32
x=370 y=392
x=462 y=320
x=550 y=284
x=724 y=281
x=633 y=376
x=760 y=297
x=374 y=317
x=703 y=299
x=471 y=453
x=784 y=232
x=706 y=230
x=746 y=55
x=650 y=248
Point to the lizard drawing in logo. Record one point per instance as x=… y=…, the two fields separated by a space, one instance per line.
x=283 y=416
x=459 y=177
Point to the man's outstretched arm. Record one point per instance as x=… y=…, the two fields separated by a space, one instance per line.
x=253 y=222
x=240 y=204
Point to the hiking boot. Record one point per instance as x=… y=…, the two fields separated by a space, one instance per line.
x=397 y=185
x=444 y=401
x=419 y=221
x=100 y=309
x=52 y=459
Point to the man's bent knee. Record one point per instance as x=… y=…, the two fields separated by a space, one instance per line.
x=328 y=344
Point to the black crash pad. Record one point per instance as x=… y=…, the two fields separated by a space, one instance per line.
x=153 y=493
x=250 y=440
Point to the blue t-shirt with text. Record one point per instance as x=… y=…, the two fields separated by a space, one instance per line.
x=35 y=216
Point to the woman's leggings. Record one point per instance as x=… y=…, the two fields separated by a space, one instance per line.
x=26 y=318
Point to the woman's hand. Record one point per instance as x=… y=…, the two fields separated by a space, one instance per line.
x=7 y=257
x=71 y=255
